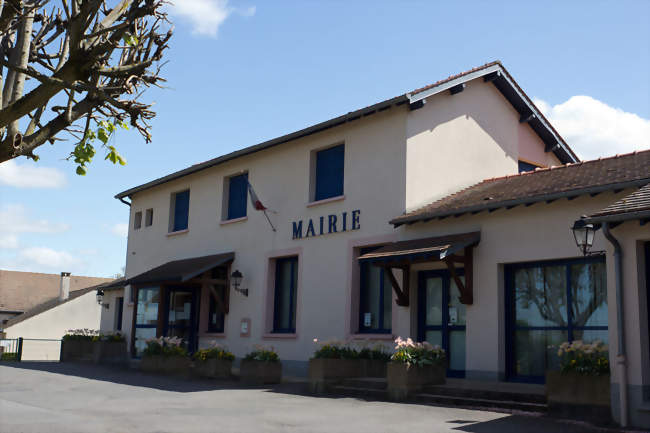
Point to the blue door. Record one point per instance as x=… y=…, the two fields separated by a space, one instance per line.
x=442 y=317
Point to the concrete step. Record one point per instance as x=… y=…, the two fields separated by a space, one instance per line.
x=448 y=400
x=486 y=394
x=365 y=382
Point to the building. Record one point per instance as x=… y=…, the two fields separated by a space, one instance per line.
x=22 y=291
x=459 y=194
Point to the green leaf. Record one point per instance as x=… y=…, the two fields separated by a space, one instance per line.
x=81 y=171
x=102 y=135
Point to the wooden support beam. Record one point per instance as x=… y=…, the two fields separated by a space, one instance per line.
x=491 y=77
x=457 y=89
x=417 y=105
x=401 y=292
x=551 y=147
x=221 y=303
x=465 y=289
x=525 y=118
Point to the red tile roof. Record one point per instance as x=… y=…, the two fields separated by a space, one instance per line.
x=570 y=180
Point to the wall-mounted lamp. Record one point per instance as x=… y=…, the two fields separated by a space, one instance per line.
x=236 y=278
x=100 y=298
x=583 y=234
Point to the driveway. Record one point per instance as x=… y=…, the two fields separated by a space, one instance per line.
x=68 y=398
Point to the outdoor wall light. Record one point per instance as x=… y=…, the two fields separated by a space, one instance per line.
x=583 y=233
x=236 y=278
x=100 y=298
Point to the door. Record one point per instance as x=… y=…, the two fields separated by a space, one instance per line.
x=182 y=316
x=442 y=317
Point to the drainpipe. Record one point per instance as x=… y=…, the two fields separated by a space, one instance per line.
x=620 y=357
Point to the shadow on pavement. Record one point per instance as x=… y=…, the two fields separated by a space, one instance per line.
x=522 y=423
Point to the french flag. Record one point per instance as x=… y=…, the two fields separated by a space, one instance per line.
x=255 y=201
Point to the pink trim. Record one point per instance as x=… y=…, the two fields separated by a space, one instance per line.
x=327 y=200
x=352 y=294
x=271 y=336
x=270 y=286
x=390 y=337
x=179 y=232
x=232 y=221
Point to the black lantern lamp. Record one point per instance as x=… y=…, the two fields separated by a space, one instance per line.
x=100 y=298
x=583 y=232
x=236 y=278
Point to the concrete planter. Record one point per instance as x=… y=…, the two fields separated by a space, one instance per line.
x=373 y=368
x=213 y=368
x=172 y=365
x=579 y=396
x=326 y=372
x=109 y=352
x=76 y=351
x=405 y=380
x=260 y=372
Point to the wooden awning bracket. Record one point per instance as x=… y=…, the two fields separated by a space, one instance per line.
x=466 y=289
x=209 y=283
x=402 y=292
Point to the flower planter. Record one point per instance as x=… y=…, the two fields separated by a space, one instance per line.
x=326 y=372
x=213 y=368
x=260 y=372
x=109 y=352
x=405 y=380
x=172 y=365
x=373 y=368
x=579 y=396
x=76 y=351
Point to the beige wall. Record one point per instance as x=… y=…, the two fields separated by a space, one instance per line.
x=108 y=322
x=78 y=313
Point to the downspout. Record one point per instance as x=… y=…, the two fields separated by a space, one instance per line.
x=620 y=357
x=124 y=201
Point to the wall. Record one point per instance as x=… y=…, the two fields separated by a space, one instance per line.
x=108 y=323
x=77 y=313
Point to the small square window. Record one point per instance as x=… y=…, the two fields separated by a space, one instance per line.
x=179 y=211
x=237 y=195
x=328 y=177
x=148 y=217
x=137 y=220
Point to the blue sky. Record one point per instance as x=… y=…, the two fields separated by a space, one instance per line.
x=241 y=72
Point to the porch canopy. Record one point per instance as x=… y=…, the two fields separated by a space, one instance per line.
x=403 y=254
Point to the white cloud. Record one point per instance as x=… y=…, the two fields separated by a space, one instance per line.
x=43 y=257
x=14 y=219
x=30 y=175
x=594 y=129
x=8 y=241
x=121 y=230
x=206 y=16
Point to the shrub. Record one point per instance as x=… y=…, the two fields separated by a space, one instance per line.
x=408 y=352
x=262 y=354
x=9 y=357
x=215 y=352
x=586 y=359
x=335 y=349
x=112 y=337
x=80 y=335
x=377 y=352
x=165 y=346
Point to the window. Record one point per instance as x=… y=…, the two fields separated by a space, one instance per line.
x=549 y=303
x=286 y=282
x=329 y=173
x=137 y=220
x=526 y=166
x=216 y=317
x=237 y=194
x=180 y=208
x=119 y=310
x=375 y=301
x=148 y=218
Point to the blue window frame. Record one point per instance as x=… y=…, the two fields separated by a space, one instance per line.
x=181 y=210
x=286 y=282
x=524 y=166
x=375 y=300
x=216 y=317
x=329 y=172
x=548 y=303
x=237 y=194
x=119 y=313
x=146 y=318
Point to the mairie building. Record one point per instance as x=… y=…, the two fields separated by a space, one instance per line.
x=444 y=214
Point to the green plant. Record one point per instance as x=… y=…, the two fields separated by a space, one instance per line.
x=112 y=337
x=586 y=359
x=215 y=352
x=80 y=335
x=377 y=352
x=408 y=352
x=9 y=356
x=262 y=354
x=165 y=346
x=335 y=350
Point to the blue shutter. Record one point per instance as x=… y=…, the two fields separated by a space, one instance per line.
x=181 y=210
x=237 y=194
x=329 y=172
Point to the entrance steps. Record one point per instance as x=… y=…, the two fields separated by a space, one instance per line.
x=456 y=392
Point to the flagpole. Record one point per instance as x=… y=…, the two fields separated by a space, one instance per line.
x=267 y=218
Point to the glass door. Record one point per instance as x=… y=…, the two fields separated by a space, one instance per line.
x=146 y=319
x=182 y=316
x=442 y=317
